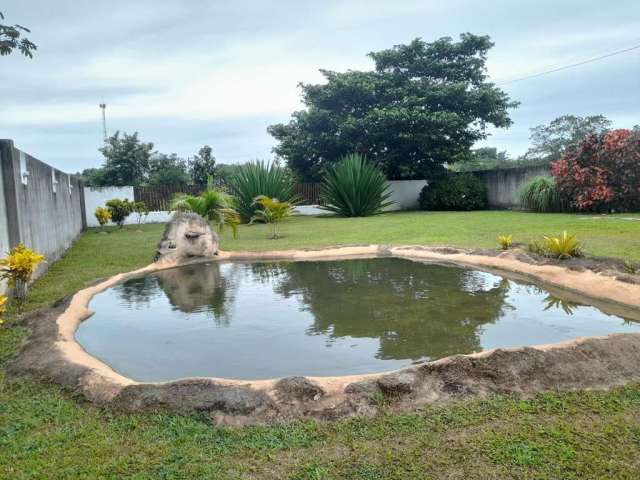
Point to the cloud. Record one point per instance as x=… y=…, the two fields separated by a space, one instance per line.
x=188 y=73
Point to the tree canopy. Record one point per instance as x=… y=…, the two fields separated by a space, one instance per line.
x=423 y=105
x=11 y=38
x=550 y=141
x=126 y=160
x=167 y=170
x=203 y=166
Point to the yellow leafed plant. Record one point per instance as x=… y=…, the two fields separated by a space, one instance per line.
x=19 y=265
x=102 y=215
x=505 y=241
x=3 y=308
x=564 y=246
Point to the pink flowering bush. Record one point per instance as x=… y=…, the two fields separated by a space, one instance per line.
x=601 y=173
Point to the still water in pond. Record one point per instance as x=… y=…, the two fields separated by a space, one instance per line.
x=267 y=320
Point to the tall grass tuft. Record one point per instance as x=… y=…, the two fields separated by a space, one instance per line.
x=355 y=187
x=541 y=195
x=259 y=178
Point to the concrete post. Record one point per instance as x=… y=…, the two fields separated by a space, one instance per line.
x=10 y=166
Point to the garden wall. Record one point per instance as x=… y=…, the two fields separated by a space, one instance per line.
x=40 y=206
x=503 y=184
x=97 y=197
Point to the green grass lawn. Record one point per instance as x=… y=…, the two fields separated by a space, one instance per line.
x=46 y=432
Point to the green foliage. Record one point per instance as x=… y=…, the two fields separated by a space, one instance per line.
x=119 y=210
x=562 y=247
x=489 y=158
x=630 y=267
x=203 y=166
x=18 y=267
x=256 y=179
x=423 y=105
x=541 y=195
x=126 y=160
x=551 y=141
x=272 y=211
x=103 y=215
x=167 y=170
x=212 y=204
x=505 y=241
x=457 y=191
x=10 y=40
x=141 y=210
x=355 y=187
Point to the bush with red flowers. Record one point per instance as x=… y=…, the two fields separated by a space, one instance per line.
x=601 y=173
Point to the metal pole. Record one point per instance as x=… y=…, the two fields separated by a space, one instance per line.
x=103 y=106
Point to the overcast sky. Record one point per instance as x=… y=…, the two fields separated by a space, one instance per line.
x=189 y=73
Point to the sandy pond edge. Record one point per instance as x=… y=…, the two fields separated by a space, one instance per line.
x=51 y=352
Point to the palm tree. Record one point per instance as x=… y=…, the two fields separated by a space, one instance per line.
x=212 y=204
x=272 y=211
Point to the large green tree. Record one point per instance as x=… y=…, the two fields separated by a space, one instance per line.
x=550 y=141
x=167 y=170
x=423 y=105
x=12 y=38
x=126 y=160
x=203 y=166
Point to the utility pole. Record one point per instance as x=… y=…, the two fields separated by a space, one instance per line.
x=103 y=107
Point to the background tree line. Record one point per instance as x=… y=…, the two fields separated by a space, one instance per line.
x=130 y=161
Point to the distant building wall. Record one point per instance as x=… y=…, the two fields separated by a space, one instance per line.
x=503 y=185
x=42 y=207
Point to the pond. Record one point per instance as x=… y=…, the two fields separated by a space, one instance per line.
x=321 y=318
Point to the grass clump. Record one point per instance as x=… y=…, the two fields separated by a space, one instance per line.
x=541 y=195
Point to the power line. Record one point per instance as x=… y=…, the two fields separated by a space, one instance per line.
x=565 y=67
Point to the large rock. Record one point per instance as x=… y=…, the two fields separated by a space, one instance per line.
x=186 y=236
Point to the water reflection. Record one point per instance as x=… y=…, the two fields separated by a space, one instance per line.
x=189 y=289
x=267 y=320
x=415 y=311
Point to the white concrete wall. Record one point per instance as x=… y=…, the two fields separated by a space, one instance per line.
x=95 y=197
x=4 y=228
x=405 y=194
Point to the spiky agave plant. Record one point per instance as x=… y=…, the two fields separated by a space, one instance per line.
x=271 y=211
x=355 y=187
x=212 y=204
x=541 y=195
x=258 y=178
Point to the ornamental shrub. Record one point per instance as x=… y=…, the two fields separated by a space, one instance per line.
x=18 y=267
x=454 y=191
x=601 y=173
x=355 y=187
x=102 y=215
x=120 y=210
x=541 y=195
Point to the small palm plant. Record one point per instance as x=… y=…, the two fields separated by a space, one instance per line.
x=212 y=204
x=355 y=187
x=272 y=211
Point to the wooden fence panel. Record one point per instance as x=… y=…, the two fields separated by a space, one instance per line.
x=308 y=192
x=158 y=198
